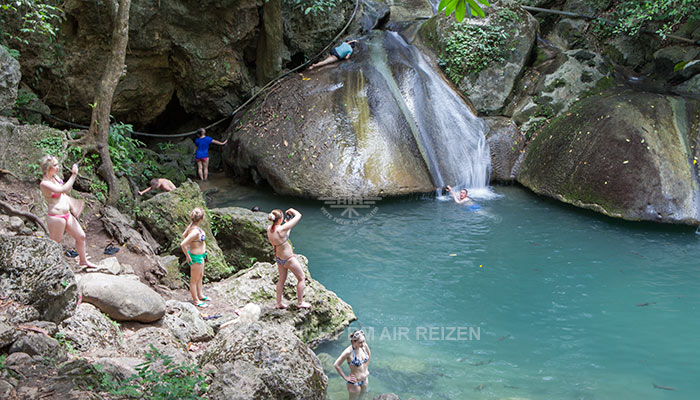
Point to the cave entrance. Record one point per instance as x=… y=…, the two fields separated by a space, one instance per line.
x=174 y=119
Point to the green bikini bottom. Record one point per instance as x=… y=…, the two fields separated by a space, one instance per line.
x=197 y=258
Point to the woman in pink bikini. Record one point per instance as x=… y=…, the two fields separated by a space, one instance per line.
x=278 y=234
x=59 y=218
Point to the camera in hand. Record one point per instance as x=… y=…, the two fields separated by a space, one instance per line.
x=288 y=216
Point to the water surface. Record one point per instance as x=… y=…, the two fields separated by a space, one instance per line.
x=566 y=304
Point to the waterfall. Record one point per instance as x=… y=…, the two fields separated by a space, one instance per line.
x=449 y=136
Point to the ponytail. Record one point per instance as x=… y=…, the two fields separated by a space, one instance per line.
x=274 y=216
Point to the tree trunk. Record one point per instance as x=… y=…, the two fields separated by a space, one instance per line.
x=99 y=123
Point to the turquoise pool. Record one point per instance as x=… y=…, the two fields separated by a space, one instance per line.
x=521 y=298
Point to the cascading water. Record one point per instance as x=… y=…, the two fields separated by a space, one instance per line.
x=449 y=136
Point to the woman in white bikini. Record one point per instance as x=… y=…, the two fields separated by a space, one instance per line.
x=357 y=355
x=196 y=253
x=278 y=234
x=59 y=218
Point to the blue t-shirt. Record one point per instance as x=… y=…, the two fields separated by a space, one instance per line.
x=202 y=147
x=343 y=50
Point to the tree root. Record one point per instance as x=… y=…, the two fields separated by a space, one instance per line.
x=26 y=215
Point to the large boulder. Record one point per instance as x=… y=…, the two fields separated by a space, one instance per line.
x=167 y=215
x=382 y=123
x=10 y=76
x=122 y=298
x=263 y=360
x=243 y=236
x=486 y=74
x=34 y=274
x=185 y=322
x=626 y=154
x=328 y=316
x=89 y=329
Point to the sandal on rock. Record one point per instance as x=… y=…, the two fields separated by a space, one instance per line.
x=206 y=298
x=202 y=304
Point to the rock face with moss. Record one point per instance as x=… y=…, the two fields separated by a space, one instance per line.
x=22 y=146
x=167 y=215
x=483 y=57
x=243 y=236
x=263 y=360
x=34 y=275
x=626 y=154
x=328 y=316
x=199 y=57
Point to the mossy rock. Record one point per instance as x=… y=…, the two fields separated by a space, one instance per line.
x=329 y=315
x=626 y=154
x=23 y=146
x=167 y=215
x=243 y=236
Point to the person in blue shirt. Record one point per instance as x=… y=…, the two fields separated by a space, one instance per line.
x=202 y=155
x=341 y=52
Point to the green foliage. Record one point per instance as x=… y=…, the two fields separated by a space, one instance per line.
x=99 y=189
x=25 y=97
x=664 y=15
x=462 y=8
x=13 y=53
x=159 y=378
x=61 y=338
x=37 y=17
x=165 y=146
x=124 y=150
x=52 y=144
x=471 y=48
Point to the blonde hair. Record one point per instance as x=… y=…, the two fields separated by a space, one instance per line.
x=274 y=216
x=196 y=217
x=47 y=161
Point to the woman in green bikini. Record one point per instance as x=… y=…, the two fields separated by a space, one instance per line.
x=196 y=252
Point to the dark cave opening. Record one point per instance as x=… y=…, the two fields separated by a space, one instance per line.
x=297 y=60
x=174 y=119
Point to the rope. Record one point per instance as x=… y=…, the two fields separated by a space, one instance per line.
x=253 y=97
x=607 y=21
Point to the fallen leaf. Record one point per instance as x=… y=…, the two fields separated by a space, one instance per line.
x=625 y=162
x=331 y=164
x=286 y=144
x=305 y=79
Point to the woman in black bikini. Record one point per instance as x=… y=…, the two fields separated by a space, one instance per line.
x=59 y=218
x=357 y=355
x=278 y=234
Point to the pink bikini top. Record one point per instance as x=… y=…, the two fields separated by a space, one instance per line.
x=57 y=195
